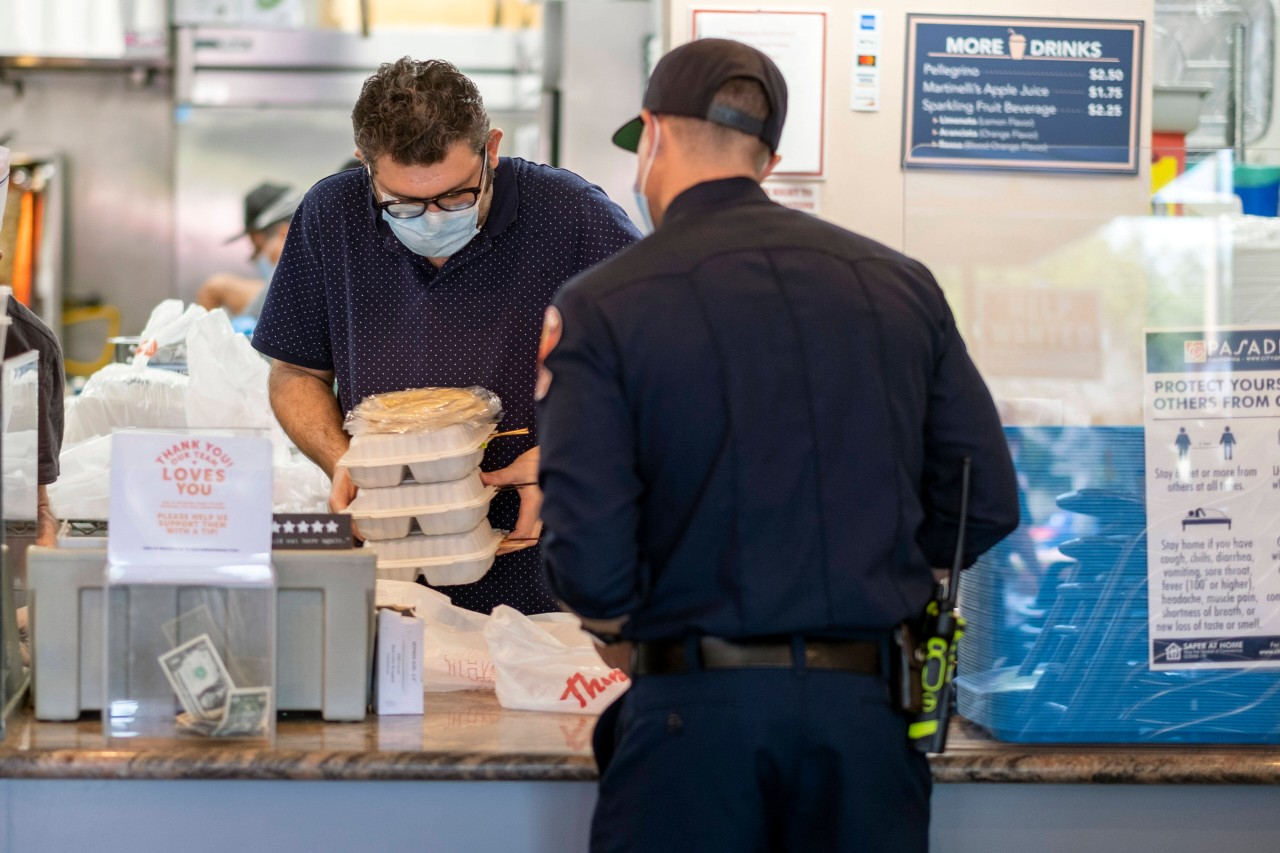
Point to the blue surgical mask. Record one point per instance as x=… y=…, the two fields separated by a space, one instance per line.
x=266 y=269
x=436 y=233
x=642 y=201
x=646 y=218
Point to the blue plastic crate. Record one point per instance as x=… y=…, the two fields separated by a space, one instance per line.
x=1057 y=646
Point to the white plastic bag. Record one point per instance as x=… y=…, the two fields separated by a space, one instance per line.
x=126 y=395
x=548 y=663
x=454 y=653
x=298 y=485
x=83 y=487
x=228 y=381
x=164 y=338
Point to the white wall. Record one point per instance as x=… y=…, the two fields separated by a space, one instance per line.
x=990 y=236
x=865 y=184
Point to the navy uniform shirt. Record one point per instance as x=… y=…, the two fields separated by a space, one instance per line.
x=755 y=424
x=347 y=296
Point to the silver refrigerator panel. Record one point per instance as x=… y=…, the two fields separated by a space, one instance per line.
x=223 y=152
x=594 y=80
x=275 y=105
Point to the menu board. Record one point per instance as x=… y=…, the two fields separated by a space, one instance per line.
x=1212 y=416
x=1022 y=93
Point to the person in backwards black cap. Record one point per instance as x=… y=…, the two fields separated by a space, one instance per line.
x=753 y=424
x=268 y=209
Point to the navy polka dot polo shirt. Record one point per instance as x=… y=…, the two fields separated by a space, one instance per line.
x=347 y=296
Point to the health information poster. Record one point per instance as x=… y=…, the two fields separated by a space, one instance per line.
x=1212 y=417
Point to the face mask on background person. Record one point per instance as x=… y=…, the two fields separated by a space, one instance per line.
x=266 y=269
x=268 y=254
x=642 y=201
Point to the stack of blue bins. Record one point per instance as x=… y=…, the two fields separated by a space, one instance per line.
x=1057 y=646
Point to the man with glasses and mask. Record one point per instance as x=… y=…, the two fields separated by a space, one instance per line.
x=753 y=428
x=431 y=266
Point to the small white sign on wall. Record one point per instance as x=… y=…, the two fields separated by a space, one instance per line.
x=865 y=83
x=797 y=42
x=797 y=196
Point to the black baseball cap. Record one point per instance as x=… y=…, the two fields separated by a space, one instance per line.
x=266 y=205
x=686 y=80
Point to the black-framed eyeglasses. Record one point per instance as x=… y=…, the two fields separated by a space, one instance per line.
x=450 y=202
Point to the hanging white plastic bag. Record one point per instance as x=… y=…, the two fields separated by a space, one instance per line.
x=164 y=338
x=83 y=486
x=548 y=663
x=455 y=655
x=228 y=381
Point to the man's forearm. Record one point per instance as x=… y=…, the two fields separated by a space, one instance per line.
x=46 y=521
x=308 y=411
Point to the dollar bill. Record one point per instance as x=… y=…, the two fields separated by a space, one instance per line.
x=246 y=713
x=198 y=677
x=190 y=725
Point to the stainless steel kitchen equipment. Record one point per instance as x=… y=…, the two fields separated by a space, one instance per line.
x=255 y=105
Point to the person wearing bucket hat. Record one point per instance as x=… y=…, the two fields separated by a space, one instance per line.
x=753 y=424
x=432 y=265
x=268 y=209
x=26 y=332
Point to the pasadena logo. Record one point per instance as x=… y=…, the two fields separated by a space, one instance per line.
x=1247 y=348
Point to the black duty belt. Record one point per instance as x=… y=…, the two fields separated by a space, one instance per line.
x=674 y=656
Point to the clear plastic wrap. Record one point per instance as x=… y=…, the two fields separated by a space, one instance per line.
x=423 y=409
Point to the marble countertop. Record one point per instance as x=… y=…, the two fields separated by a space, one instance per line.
x=468 y=736
x=973 y=756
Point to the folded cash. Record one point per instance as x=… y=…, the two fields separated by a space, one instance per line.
x=191 y=725
x=213 y=705
x=246 y=713
x=198 y=677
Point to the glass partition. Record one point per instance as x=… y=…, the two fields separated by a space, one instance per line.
x=1128 y=326
x=19 y=396
x=1054 y=276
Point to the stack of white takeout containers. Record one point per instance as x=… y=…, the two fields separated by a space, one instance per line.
x=421 y=504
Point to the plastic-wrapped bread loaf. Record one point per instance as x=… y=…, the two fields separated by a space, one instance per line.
x=423 y=409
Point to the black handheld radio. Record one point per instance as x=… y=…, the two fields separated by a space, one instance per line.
x=935 y=654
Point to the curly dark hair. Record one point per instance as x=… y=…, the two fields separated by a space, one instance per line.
x=416 y=111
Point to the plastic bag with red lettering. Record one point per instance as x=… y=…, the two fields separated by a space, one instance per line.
x=454 y=653
x=548 y=663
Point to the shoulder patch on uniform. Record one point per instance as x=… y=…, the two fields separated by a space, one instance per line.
x=551 y=329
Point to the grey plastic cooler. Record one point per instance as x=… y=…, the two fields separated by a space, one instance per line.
x=325 y=624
